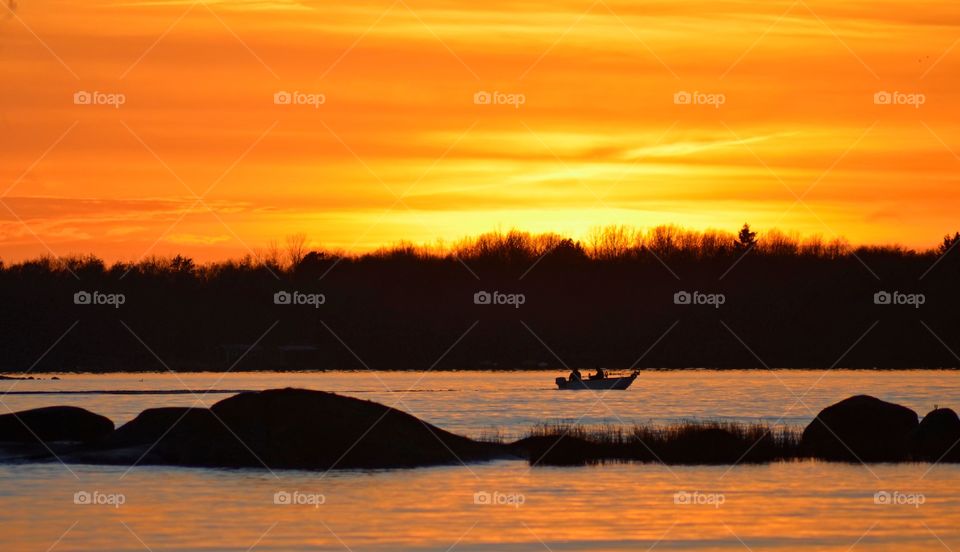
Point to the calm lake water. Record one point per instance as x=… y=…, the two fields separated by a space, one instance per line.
x=502 y=505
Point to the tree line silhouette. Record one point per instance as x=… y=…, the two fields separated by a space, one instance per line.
x=609 y=300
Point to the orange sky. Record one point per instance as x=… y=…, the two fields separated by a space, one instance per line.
x=399 y=150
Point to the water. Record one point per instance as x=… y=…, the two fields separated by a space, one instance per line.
x=471 y=403
x=784 y=506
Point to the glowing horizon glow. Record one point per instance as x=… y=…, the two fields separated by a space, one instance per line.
x=598 y=140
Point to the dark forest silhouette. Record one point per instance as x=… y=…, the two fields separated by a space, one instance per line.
x=610 y=300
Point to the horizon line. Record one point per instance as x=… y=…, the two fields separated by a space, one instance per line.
x=621 y=236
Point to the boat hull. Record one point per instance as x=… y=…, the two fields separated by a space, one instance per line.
x=619 y=383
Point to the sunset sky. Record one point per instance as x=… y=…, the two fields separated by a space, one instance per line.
x=200 y=160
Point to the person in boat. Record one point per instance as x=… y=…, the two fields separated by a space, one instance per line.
x=599 y=375
x=575 y=375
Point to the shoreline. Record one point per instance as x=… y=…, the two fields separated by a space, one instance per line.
x=278 y=428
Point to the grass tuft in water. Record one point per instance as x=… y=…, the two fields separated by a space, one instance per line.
x=688 y=442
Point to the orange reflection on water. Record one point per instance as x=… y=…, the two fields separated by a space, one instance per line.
x=496 y=506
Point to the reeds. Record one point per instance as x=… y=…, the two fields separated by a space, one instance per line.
x=688 y=442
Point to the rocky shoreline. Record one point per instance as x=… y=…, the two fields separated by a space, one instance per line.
x=316 y=430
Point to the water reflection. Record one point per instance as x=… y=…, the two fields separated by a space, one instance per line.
x=795 y=506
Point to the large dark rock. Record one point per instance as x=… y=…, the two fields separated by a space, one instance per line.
x=938 y=437
x=296 y=428
x=156 y=425
x=54 y=424
x=861 y=428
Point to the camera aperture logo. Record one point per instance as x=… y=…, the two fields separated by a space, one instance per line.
x=496 y=498
x=698 y=298
x=298 y=498
x=96 y=298
x=482 y=97
x=896 y=498
x=297 y=298
x=113 y=99
x=714 y=99
x=697 y=498
x=497 y=298
x=896 y=298
x=915 y=99
x=96 y=498
x=282 y=97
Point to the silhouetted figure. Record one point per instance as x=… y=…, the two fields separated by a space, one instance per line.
x=575 y=375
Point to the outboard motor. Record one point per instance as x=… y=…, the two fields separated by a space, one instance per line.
x=561 y=382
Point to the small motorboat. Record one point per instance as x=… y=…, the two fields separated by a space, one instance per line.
x=617 y=382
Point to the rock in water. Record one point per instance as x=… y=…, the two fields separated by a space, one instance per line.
x=938 y=437
x=861 y=428
x=54 y=424
x=157 y=425
x=297 y=428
